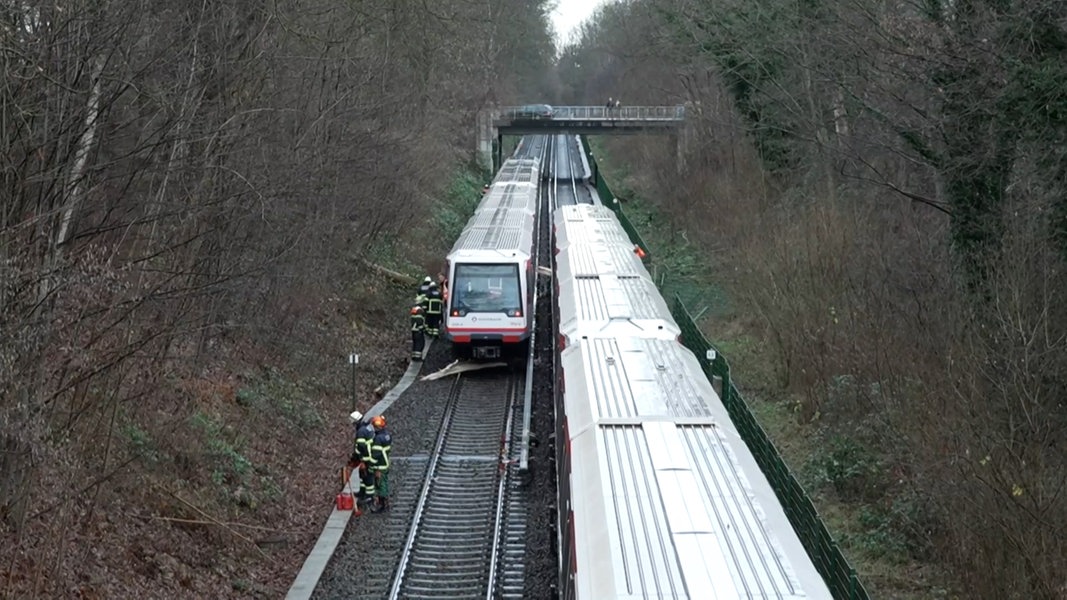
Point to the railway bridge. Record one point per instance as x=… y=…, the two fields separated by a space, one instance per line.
x=495 y=123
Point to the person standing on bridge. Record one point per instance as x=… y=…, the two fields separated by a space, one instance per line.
x=380 y=449
x=359 y=461
x=418 y=331
x=434 y=306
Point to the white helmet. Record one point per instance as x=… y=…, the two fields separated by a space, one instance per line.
x=355 y=417
x=427 y=280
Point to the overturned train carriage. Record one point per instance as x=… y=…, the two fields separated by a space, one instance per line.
x=490 y=268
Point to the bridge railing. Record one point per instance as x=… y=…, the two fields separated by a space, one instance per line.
x=623 y=113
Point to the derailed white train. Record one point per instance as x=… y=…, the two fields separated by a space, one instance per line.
x=659 y=495
x=490 y=267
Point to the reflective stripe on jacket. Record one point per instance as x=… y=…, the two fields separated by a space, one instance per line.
x=434 y=306
x=364 y=440
x=380 y=449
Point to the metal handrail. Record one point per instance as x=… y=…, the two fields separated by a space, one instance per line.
x=622 y=113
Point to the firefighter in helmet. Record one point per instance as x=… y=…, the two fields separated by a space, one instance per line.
x=435 y=305
x=359 y=461
x=418 y=331
x=381 y=446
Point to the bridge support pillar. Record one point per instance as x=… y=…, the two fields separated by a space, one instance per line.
x=487 y=135
x=681 y=148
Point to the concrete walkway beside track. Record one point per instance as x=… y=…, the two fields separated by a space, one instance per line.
x=304 y=584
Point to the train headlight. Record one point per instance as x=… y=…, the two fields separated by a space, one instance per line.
x=516 y=313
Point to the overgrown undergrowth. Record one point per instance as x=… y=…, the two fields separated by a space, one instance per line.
x=216 y=483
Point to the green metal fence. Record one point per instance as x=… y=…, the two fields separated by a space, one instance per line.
x=840 y=577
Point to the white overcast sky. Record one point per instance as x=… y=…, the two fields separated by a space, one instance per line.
x=569 y=14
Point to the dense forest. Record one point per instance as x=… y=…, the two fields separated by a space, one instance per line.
x=185 y=191
x=191 y=196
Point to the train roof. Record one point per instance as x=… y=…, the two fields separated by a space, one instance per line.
x=505 y=221
x=502 y=218
x=662 y=380
x=588 y=224
x=510 y=238
x=610 y=306
x=510 y=196
x=585 y=212
x=585 y=260
x=667 y=501
x=519 y=170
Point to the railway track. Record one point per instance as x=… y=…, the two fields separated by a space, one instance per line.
x=464 y=537
x=459 y=526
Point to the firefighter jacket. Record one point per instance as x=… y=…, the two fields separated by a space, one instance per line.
x=434 y=303
x=364 y=440
x=418 y=321
x=422 y=300
x=380 y=449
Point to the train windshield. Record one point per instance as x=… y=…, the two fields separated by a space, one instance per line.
x=486 y=288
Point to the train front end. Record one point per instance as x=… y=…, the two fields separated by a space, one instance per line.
x=487 y=313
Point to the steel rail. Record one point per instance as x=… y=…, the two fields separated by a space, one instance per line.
x=420 y=505
x=498 y=530
x=454 y=529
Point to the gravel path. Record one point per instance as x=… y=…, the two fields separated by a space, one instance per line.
x=541 y=566
x=542 y=571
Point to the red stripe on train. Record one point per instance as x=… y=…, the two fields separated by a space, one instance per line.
x=484 y=329
x=466 y=339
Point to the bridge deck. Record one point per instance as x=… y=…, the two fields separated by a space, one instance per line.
x=590 y=119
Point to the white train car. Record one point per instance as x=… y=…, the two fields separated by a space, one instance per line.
x=588 y=238
x=611 y=306
x=602 y=287
x=659 y=495
x=490 y=269
x=589 y=224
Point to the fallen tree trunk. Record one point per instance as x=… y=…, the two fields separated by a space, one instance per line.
x=394 y=275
